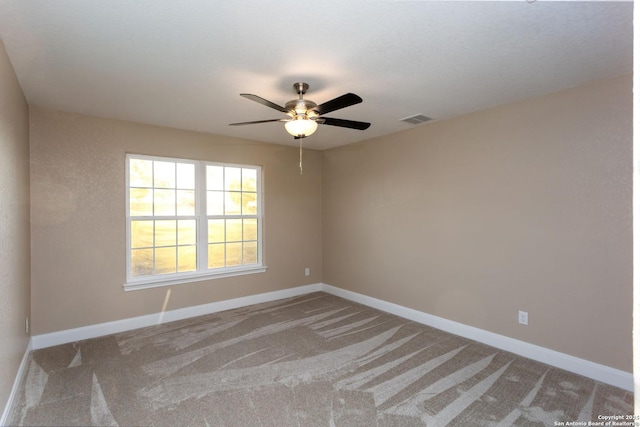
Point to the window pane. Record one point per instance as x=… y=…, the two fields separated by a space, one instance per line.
x=187 y=232
x=165 y=233
x=186 y=176
x=186 y=202
x=141 y=234
x=232 y=179
x=186 y=258
x=232 y=203
x=164 y=202
x=250 y=229
x=216 y=231
x=164 y=174
x=141 y=262
x=249 y=203
x=215 y=203
x=234 y=230
x=140 y=202
x=215 y=180
x=250 y=252
x=249 y=179
x=234 y=254
x=165 y=260
x=140 y=173
x=216 y=255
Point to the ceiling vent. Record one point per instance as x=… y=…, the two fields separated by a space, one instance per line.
x=417 y=119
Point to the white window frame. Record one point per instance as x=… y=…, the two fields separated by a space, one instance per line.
x=202 y=271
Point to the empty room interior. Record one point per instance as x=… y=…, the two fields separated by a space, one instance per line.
x=187 y=239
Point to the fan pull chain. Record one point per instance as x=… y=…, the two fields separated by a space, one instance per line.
x=300 y=156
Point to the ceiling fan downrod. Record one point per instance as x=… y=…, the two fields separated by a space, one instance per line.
x=301 y=107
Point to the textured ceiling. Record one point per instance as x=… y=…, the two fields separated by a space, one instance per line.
x=183 y=63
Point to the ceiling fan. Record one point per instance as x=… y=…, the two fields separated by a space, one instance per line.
x=304 y=116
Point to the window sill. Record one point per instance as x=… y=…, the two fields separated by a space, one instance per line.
x=159 y=281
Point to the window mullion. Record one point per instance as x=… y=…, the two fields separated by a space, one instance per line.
x=201 y=217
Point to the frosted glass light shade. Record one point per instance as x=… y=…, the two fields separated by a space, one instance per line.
x=301 y=127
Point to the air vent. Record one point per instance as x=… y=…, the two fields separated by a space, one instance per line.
x=417 y=119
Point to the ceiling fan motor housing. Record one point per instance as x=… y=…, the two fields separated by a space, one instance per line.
x=300 y=107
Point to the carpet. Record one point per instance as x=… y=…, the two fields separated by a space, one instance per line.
x=313 y=360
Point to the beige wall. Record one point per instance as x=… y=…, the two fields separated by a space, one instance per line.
x=522 y=207
x=78 y=225
x=14 y=225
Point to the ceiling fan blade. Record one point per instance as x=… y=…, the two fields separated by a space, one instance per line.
x=257 y=121
x=343 y=101
x=351 y=124
x=263 y=101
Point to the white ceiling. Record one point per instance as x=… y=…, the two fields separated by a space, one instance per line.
x=183 y=64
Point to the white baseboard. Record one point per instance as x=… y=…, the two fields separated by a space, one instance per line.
x=101 y=329
x=16 y=385
x=598 y=372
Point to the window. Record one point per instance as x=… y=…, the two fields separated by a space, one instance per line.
x=191 y=220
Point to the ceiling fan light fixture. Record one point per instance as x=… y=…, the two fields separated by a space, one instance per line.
x=301 y=126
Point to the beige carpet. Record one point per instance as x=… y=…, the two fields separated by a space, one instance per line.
x=315 y=360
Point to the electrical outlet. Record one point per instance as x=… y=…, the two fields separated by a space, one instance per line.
x=307 y=271
x=523 y=317
x=26 y=325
